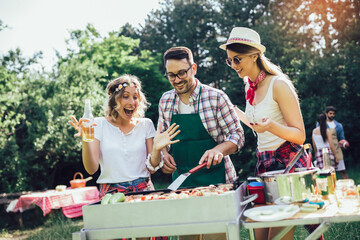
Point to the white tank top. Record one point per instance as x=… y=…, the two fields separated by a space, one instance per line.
x=266 y=108
x=319 y=142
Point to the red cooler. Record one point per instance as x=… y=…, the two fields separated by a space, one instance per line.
x=257 y=187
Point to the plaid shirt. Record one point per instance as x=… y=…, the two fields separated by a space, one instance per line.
x=217 y=115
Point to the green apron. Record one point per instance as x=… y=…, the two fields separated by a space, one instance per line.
x=194 y=141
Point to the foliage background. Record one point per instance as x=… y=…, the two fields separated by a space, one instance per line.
x=315 y=42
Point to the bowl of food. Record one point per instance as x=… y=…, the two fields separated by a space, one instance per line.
x=60 y=188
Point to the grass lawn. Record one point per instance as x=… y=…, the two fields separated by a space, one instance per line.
x=56 y=226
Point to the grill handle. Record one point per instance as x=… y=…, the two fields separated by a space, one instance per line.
x=248 y=199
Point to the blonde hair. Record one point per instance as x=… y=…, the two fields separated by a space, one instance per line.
x=114 y=95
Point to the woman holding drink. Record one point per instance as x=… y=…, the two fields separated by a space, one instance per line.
x=124 y=140
x=272 y=107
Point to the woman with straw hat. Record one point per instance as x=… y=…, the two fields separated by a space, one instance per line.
x=272 y=107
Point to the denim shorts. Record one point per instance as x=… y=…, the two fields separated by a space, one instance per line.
x=133 y=183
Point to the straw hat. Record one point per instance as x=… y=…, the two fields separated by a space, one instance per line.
x=244 y=36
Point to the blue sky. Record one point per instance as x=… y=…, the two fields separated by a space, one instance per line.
x=44 y=25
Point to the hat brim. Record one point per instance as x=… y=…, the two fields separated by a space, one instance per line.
x=262 y=48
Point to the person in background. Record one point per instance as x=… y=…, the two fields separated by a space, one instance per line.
x=322 y=138
x=210 y=128
x=123 y=140
x=272 y=108
x=337 y=132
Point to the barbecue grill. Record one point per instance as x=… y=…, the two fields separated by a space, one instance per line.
x=167 y=217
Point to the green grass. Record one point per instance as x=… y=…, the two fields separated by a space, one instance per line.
x=59 y=227
x=56 y=226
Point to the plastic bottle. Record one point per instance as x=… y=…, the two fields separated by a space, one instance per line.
x=87 y=128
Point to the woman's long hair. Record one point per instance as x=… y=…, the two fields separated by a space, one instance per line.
x=323 y=126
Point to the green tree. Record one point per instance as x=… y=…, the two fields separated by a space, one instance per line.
x=36 y=141
x=19 y=91
x=184 y=23
x=117 y=54
x=329 y=78
x=9 y=120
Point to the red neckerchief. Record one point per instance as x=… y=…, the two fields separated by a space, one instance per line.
x=250 y=94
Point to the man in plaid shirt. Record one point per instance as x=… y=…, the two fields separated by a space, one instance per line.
x=210 y=128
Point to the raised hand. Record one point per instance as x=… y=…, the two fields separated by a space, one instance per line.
x=161 y=140
x=77 y=124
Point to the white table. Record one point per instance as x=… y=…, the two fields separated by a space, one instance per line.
x=325 y=217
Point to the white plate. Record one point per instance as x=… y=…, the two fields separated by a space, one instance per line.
x=271 y=213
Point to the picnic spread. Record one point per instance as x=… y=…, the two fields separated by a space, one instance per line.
x=70 y=200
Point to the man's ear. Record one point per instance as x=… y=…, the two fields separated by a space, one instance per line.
x=194 y=68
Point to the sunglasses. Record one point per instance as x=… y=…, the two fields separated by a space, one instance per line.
x=236 y=61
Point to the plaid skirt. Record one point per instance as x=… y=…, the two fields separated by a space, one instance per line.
x=319 y=159
x=279 y=158
x=140 y=184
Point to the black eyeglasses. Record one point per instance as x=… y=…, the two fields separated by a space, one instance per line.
x=236 y=61
x=181 y=74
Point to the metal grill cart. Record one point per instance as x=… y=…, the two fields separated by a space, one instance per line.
x=167 y=217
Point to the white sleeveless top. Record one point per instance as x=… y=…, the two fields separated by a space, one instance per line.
x=319 y=142
x=266 y=108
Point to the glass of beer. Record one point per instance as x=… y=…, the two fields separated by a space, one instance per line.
x=87 y=127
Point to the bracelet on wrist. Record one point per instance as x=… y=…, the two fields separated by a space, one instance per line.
x=150 y=167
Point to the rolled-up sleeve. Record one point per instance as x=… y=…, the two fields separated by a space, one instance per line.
x=230 y=123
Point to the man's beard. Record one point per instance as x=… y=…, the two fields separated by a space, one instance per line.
x=331 y=118
x=188 y=87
